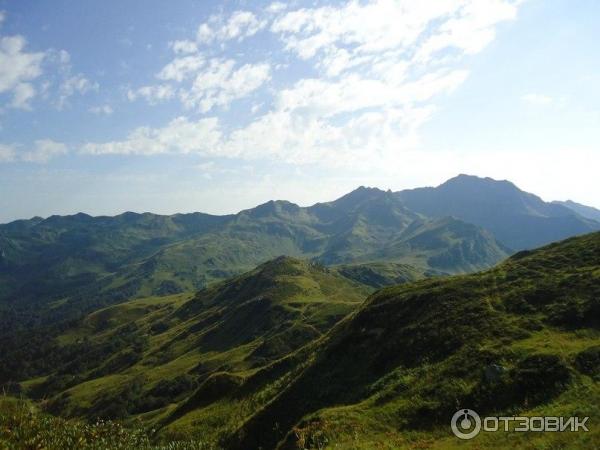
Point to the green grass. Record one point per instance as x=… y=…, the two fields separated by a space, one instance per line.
x=22 y=426
x=415 y=353
x=290 y=355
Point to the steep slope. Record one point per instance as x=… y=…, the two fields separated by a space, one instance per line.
x=521 y=338
x=381 y=274
x=584 y=211
x=147 y=356
x=516 y=218
x=62 y=267
x=44 y=258
x=272 y=359
x=448 y=245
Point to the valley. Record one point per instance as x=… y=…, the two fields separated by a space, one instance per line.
x=358 y=323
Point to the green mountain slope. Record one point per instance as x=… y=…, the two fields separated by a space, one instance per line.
x=79 y=263
x=48 y=258
x=381 y=274
x=289 y=356
x=583 y=210
x=147 y=357
x=522 y=338
x=516 y=218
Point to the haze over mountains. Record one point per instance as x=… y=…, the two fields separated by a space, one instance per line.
x=281 y=327
x=518 y=219
x=288 y=356
x=465 y=224
x=583 y=210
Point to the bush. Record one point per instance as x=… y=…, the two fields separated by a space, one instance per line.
x=21 y=426
x=588 y=361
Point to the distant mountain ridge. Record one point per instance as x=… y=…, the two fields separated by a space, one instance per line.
x=516 y=218
x=104 y=260
x=586 y=211
x=463 y=225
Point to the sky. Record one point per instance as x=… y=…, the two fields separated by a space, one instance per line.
x=217 y=106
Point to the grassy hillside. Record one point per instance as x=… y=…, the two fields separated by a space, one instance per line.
x=522 y=338
x=276 y=357
x=79 y=263
x=149 y=358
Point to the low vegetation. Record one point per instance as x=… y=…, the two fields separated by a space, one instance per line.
x=291 y=356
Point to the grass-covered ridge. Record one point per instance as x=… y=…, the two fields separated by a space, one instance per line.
x=288 y=355
x=61 y=267
x=154 y=358
x=521 y=338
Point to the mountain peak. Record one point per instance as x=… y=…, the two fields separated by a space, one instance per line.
x=474 y=180
x=272 y=207
x=359 y=195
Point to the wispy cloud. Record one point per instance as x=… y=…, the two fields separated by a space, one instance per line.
x=239 y=25
x=183 y=46
x=7 y=153
x=221 y=83
x=23 y=77
x=179 y=136
x=76 y=84
x=181 y=68
x=105 y=110
x=18 y=68
x=376 y=71
x=42 y=151
x=153 y=94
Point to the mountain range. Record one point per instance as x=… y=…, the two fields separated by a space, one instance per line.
x=518 y=219
x=583 y=210
x=289 y=356
x=465 y=224
x=364 y=322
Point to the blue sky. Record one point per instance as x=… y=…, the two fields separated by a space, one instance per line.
x=218 y=106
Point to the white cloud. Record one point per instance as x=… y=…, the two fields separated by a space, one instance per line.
x=17 y=69
x=20 y=72
x=220 y=83
x=7 y=153
x=470 y=29
x=537 y=99
x=152 y=94
x=106 y=110
x=181 y=68
x=421 y=28
x=179 y=136
x=44 y=150
x=76 y=84
x=353 y=93
x=379 y=68
x=240 y=25
x=276 y=7
x=22 y=94
x=183 y=46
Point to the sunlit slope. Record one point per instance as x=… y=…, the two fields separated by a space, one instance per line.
x=85 y=262
x=147 y=356
x=521 y=338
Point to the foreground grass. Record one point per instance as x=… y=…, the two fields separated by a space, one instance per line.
x=22 y=426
